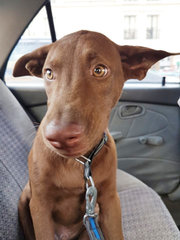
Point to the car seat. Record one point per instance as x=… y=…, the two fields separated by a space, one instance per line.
x=145 y=217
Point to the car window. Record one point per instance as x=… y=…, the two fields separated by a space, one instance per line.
x=149 y=23
x=36 y=35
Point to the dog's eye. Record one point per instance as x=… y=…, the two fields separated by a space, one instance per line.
x=49 y=74
x=100 y=71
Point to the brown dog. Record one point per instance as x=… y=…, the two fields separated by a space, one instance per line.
x=84 y=73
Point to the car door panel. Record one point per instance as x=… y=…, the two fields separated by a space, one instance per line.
x=147 y=138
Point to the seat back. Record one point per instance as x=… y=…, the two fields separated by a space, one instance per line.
x=16 y=134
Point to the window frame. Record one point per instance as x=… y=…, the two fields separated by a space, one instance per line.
x=47 y=5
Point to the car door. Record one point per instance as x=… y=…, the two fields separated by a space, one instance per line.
x=145 y=125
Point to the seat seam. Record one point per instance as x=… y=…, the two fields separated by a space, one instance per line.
x=11 y=174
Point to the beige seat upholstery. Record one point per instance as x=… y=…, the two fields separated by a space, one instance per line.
x=144 y=214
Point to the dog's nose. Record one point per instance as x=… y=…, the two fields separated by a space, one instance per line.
x=66 y=136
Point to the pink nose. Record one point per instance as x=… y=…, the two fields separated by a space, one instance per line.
x=66 y=136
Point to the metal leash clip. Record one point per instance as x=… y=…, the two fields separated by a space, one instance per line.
x=90 y=218
x=91 y=196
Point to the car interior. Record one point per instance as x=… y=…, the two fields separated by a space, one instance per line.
x=145 y=125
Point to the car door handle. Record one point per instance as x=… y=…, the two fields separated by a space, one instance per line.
x=128 y=111
x=117 y=135
x=151 y=140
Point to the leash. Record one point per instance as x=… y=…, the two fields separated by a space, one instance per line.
x=90 y=219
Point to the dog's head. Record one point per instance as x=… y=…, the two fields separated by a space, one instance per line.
x=84 y=73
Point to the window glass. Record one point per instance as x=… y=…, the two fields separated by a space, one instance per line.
x=36 y=35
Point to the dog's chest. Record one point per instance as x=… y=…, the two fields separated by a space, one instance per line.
x=68 y=183
x=67 y=214
x=68 y=206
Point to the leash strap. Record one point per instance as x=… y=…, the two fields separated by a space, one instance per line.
x=92 y=228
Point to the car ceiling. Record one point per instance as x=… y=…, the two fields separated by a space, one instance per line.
x=15 y=15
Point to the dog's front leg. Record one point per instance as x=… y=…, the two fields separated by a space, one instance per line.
x=42 y=220
x=24 y=213
x=110 y=216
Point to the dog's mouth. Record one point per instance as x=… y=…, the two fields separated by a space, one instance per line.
x=72 y=152
x=65 y=151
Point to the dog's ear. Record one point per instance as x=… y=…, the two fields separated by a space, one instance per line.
x=137 y=60
x=31 y=63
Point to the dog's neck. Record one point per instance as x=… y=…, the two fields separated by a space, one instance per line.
x=94 y=152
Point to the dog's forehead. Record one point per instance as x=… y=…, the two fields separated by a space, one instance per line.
x=84 y=44
x=96 y=45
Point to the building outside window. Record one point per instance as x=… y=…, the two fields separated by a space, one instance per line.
x=130 y=27
x=152 y=31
